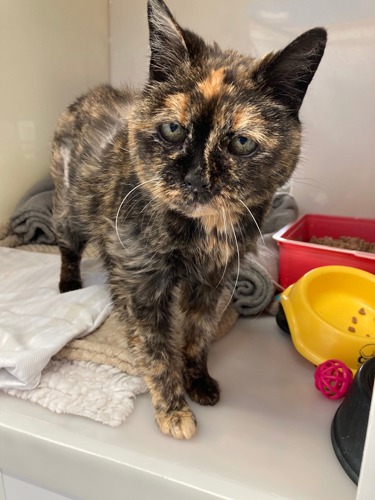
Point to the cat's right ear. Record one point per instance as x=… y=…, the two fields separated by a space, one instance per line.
x=167 y=44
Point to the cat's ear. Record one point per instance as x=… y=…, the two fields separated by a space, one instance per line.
x=167 y=44
x=289 y=72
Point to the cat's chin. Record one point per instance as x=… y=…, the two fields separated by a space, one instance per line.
x=199 y=210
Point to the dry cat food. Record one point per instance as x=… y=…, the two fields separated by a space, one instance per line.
x=362 y=312
x=345 y=242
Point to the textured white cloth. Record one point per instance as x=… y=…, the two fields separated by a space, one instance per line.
x=36 y=321
x=100 y=392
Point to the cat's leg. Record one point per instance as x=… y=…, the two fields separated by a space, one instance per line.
x=161 y=367
x=70 y=243
x=69 y=238
x=226 y=313
x=143 y=303
x=200 y=322
x=71 y=249
x=70 y=275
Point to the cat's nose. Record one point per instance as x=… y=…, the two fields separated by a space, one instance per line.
x=196 y=183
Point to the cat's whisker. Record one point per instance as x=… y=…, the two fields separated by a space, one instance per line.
x=154 y=214
x=142 y=212
x=131 y=207
x=226 y=243
x=238 y=272
x=255 y=222
x=308 y=181
x=122 y=203
x=145 y=207
x=266 y=250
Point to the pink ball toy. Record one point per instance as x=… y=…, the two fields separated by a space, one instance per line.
x=333 y=379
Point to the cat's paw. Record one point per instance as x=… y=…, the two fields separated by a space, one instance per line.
x=204 y=390
x=69 y=285
x=180 y=424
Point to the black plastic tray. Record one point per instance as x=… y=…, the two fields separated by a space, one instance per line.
x=349 y=425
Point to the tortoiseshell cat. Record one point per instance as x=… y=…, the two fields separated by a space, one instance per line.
x=171 y=184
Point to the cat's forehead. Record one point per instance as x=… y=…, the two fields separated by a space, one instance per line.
x=226 y=76
x=213 y=85
x=228 y=73
x=224 y=94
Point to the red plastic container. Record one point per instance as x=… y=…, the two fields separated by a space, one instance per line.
x=298 y=256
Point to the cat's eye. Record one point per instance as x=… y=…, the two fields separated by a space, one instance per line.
x=242 y=146
x=173 y=132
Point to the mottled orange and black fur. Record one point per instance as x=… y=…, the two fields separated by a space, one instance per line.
x=171 y=184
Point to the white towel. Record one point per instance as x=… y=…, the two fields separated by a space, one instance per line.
x=100 y=392
x=36 y=321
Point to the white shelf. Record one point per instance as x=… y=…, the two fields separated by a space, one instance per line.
x=268 y=437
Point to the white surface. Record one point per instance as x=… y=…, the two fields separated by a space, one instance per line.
x=269 y=436
x=50 y=52
x=334 y=176
x=15 y=489
x=2 y=492
x=366 y=488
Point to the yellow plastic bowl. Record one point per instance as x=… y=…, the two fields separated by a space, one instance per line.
x=331 y=315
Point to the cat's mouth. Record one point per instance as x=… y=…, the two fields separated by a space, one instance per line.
x=194 y=205
x=196 y=208
x=202 y=211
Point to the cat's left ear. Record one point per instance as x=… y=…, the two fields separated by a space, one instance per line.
x=289 y=72
x=167 y=44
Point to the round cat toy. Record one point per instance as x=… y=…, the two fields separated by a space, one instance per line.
x=333 y=379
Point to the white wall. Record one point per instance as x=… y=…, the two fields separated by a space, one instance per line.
x=50 y=52
x=336 y=174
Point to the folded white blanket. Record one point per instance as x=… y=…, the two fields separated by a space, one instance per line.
x=100 y=392
x=36 y=321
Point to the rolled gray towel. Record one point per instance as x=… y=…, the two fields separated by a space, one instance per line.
x=254 y=290
x=32 y=217
x=257 y=280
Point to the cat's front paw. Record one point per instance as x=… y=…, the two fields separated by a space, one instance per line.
x=204 y=390
x=69 y=285
x=180 y=424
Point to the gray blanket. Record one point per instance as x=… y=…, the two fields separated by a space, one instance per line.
x=32 y=217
